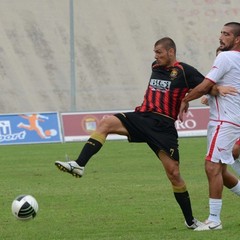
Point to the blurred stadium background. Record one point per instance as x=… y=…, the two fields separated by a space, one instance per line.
x=113 y=42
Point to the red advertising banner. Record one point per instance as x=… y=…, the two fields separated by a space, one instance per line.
x=194 y=123
x=79 y=126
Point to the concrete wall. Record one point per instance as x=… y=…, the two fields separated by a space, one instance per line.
x=113 y=48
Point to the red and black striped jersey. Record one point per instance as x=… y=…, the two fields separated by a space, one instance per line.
x=167 y=87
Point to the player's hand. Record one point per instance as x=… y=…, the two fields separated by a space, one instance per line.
x=204 y=100
x=183 y=109
x=224 y=90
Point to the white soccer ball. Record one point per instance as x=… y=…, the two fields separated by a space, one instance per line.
x=25 y=207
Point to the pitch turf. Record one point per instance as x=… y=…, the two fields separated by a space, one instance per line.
x=124 y=194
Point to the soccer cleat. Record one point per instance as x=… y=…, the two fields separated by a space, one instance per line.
x=209 y=225
x=71 y=167
x=195 y=224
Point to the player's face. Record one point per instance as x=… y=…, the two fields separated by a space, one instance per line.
x=163 y=56
x=227 y=39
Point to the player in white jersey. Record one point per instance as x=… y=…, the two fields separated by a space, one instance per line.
x=225 y=71
x=224 y=123
x=236 y=147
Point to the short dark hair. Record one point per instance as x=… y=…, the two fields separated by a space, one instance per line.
x=167 y=42
x=235 y=28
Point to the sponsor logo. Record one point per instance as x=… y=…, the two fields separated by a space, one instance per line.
x=160 y=85
x=33 y=124
x=214 y=227
x=189 y=122
x=221 y=149
x=89 y=123
x=173 y=73
x=6 y=133
x=29 y=128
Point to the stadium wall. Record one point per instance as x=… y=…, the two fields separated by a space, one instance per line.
x=113 y=48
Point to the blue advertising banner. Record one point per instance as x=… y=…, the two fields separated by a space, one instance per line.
x=30 y=128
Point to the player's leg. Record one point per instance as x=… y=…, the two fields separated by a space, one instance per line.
x=109 y=124
x=215 y=182
x=220 y=145
x=236 y=149
x=215 y=179
x=179 y=188
x=236 y=152
x=231 y=181
x=219 y=151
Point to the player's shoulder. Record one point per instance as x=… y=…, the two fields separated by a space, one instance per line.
x=155 y=64
x=227 y=54
x=230 y=52
x=187 y=67
x=227 y=57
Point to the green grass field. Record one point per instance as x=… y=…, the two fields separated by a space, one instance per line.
x=124 y=194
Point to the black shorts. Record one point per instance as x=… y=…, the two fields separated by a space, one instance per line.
x=157 y=130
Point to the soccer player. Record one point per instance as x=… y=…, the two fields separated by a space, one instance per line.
x=224 y=123
x=153 y=122
x=236 y=148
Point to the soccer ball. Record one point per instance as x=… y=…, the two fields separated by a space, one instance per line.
x=24 y=207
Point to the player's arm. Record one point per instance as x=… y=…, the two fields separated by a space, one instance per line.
x=203 y=88
x=223 y=90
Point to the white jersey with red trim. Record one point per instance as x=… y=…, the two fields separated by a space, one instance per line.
x=226 y=72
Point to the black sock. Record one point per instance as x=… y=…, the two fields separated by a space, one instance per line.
x=184 y=202
x=90 y=148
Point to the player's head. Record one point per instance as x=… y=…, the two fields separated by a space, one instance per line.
x=165 y=51
x=230 y=36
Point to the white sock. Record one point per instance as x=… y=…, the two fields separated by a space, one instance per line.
x=236 y=189
x=236 y=166
x=215 y=207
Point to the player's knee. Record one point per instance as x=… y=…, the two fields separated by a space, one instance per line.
x=208 y=170
x=174 y=176
x=105 y=124
x=212 y=169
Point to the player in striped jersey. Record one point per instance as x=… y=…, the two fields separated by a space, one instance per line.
x=153 y=122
